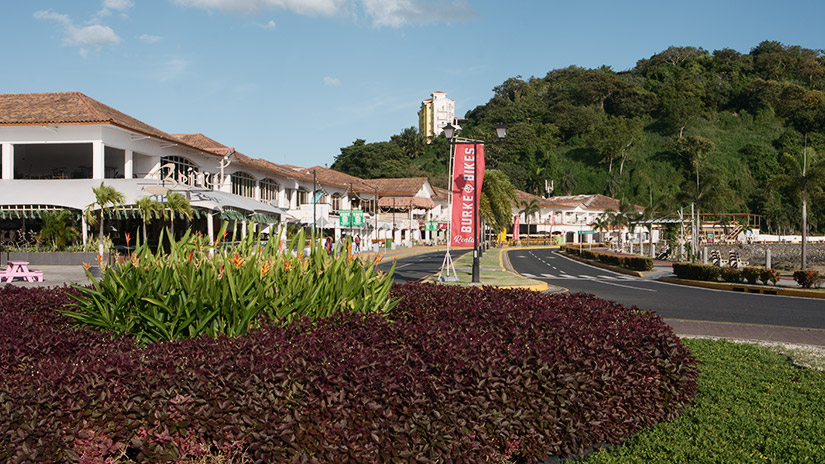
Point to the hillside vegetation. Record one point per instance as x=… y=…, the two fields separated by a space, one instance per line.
x=721 y=129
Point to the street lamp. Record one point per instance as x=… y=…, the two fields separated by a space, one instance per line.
x=449 y=132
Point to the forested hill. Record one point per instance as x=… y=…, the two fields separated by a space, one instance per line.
x=721 y=129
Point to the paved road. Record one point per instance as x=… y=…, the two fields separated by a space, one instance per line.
x=418 y=266
x=669 y=300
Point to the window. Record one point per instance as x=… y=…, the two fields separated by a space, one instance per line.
x=181 y=166
x=243 y=184
x=303 y=197
x=336 y=203
x=269 y=190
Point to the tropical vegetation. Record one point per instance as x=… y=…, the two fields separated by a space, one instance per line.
x=684 y=126
x=198 y=288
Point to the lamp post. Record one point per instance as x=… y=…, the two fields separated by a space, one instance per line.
x=449 y=132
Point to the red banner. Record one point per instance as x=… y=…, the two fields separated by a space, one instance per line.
x=465 y=189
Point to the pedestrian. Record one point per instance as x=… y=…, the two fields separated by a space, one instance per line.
x=358 y=243
x=328 y=246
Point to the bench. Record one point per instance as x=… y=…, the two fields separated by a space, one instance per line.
x=20 y=269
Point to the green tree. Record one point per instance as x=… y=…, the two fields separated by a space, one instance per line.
x=680 y=100
x=58 y=230
x=496 y=200
x=528 y=209
x=411 y=142
x=149 y=209
x=105 y=196
x=802 y=179
x=617 y=139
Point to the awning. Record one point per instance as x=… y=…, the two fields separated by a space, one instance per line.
x=405 y=202
x=77 y=194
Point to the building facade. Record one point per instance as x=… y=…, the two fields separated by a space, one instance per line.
x=435 y=113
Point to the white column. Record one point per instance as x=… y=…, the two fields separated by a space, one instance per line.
x=98 y=160
x=8 y=161
x=84 y=229
x=210 y=230
x=128 y=164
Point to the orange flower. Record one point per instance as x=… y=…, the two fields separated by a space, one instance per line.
x=377 y=259
x=128 y=238
x=86 y=266
x=236 y=260
x=287 y=264
x=265 y=269
x=99 y=259
x=220 y=274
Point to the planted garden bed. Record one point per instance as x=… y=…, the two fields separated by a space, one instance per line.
x=453 y=375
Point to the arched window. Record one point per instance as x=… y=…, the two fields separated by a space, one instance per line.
x=269 y=190
x=182 y=166
x=243 y=184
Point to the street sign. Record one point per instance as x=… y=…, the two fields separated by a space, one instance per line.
x=587 y=232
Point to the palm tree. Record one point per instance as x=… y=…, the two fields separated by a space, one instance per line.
x=496 y=200
x=528 y=209
x=58 y=230
x=176 y=204
x=105 y=196
x=801 y=179
x=149 y=209
x=601 y=224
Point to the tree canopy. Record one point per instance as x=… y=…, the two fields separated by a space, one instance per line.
x=645 y=133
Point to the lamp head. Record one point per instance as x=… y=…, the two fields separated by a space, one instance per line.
x=449 y=131
x=501 y=131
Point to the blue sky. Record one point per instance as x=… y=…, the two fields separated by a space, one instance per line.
x=293 y=81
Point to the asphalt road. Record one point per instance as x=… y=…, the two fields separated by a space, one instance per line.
x=419 y=266
x=669 y=300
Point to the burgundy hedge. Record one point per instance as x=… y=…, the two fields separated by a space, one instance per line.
x=460 y=375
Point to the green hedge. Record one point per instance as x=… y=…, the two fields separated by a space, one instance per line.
x=692 y=271
x=636 y=263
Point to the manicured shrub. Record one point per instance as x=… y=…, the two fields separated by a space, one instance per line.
x=636 y=263
x=186 y=292
x=731 y=274
x=768 y=275
x=692 y=271
x=807 y=279
x=751 y=274
x=458 y=375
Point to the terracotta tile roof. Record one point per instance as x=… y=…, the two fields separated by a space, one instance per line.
x=330 y=176
x=397 y=186
x=440 y=194
x=204 y=143
x=68 y=108
x=594 y=202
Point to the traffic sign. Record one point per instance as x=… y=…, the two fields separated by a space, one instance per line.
x=586 y=232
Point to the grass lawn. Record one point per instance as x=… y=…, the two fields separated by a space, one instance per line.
x=754 y=405
x=491 y=271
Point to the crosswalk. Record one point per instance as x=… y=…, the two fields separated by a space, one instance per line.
x=562 y=276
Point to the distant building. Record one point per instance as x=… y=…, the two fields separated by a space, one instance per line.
x=435 y=113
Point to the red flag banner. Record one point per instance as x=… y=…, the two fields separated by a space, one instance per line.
x=465 y=189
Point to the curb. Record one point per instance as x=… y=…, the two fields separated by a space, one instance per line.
x=746 y=288
x=539 y=286
x=601 y=265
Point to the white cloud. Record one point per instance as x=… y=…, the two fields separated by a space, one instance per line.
x=332 y=82
x=148 y=38
x=115 y=5
x=269 y=25
x=92 y=36
x=391 y=13
x=304 y=7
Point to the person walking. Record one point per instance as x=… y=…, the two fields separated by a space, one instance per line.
x=358 y=243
